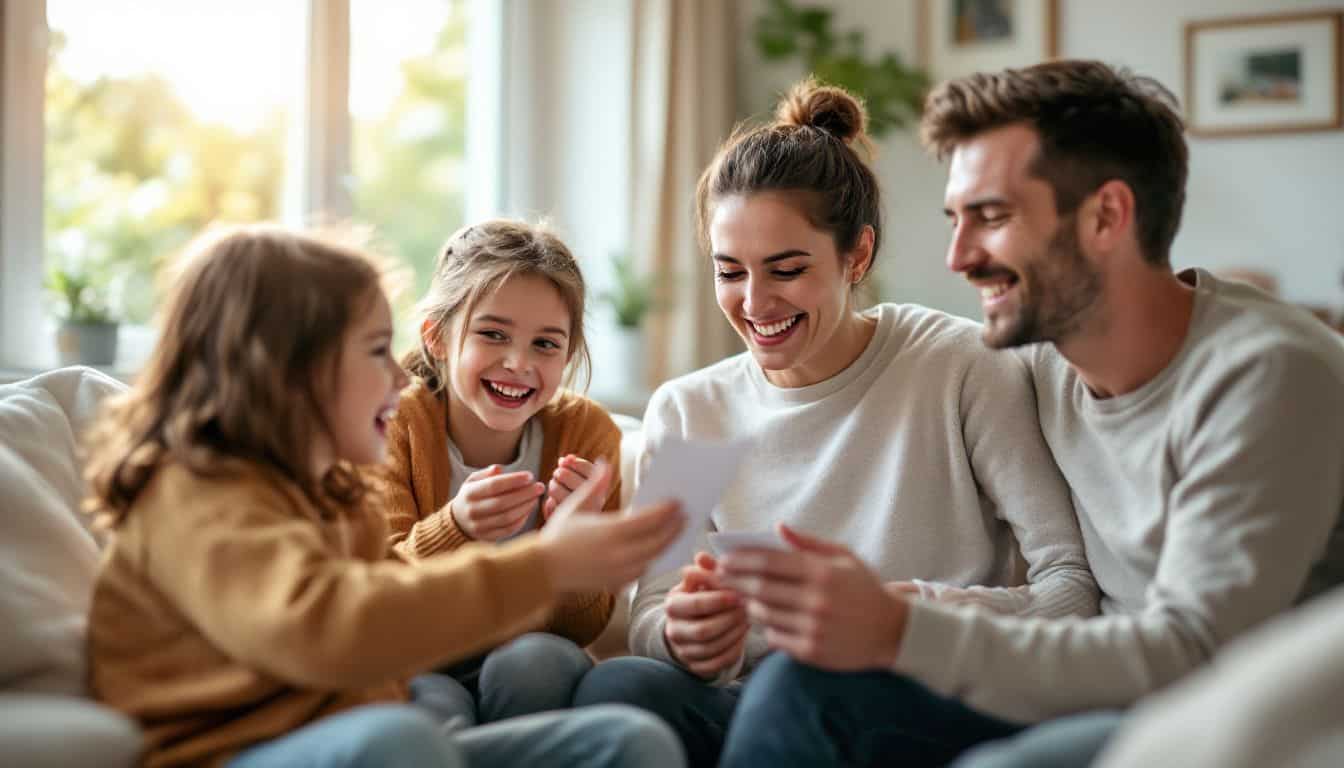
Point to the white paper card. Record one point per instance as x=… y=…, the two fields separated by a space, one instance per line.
x=723 y=542
x=696 y=473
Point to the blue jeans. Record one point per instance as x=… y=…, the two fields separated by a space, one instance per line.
x=406 y=736
x=1068 y=742
x=795 y=714
x=697 y=711
x=537 y=672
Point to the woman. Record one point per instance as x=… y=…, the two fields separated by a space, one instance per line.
x=892 y=430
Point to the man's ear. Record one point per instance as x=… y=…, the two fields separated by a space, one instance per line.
x=1108 y=219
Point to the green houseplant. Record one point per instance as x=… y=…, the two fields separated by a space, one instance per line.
x=631 y=295
x=892 y=91
x=88 y=325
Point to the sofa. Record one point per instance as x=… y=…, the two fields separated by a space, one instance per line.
x=48 y=557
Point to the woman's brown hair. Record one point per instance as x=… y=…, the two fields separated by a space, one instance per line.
x=474 y=263
x=809 y=150
x=250 y=344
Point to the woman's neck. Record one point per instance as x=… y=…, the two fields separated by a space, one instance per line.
x=480 y=445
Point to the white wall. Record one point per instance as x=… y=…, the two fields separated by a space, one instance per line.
x=566 y=148
x=1275 y=202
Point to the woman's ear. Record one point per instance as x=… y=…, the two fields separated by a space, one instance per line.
x=861 y=258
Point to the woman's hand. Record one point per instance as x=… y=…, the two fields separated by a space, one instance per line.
x=491 y=506
x=706 y=627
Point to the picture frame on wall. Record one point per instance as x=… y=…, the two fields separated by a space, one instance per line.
x=959 y=37
x=1251 y=75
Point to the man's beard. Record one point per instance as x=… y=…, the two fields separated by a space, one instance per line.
x=1067 y=287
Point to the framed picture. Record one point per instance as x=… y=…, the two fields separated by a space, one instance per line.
x=958 y=37
x=1264 y=74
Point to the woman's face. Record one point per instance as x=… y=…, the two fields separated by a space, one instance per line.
x=784 y=287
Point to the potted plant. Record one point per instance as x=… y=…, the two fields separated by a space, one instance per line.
x=88 y=331
x=631 y=297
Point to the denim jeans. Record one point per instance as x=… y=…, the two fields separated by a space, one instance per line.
x=537 y=672
x=697 y=711
x=406 y=736
x=794 y=714
x=1067 y=742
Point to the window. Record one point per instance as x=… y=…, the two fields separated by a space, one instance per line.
x=408 y=94
x=158 y=123
x=159 y=117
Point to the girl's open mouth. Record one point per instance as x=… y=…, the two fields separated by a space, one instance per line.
x=507 y=395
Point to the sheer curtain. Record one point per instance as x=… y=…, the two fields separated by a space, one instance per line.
x=682 y=105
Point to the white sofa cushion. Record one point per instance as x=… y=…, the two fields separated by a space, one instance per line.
x=48 y=557
x=41 y=731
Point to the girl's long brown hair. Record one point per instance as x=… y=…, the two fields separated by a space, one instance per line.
x=250 y=345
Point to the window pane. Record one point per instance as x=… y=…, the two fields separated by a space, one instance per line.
x=408 y=81
x=162 y=116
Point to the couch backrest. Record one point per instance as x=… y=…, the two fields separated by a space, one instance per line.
x=48 y=554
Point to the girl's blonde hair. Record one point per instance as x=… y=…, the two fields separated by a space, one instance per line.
x=474 y=263
x=250 y=343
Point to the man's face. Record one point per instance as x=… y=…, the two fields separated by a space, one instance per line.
x=1035 y=282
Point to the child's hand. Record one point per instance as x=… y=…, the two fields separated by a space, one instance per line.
x=569 y=474
x=584 y=552
x=491 y=506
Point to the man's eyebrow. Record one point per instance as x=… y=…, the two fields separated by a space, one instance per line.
x=977 y=204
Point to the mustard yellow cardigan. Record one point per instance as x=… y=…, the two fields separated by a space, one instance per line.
x=414 y=484
x=227 y=611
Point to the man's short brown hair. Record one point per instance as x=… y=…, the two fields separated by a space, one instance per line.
x=1096 y=123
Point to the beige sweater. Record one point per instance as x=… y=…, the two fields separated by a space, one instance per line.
x=415 y=482
x=1209 y=500
x=228 y=612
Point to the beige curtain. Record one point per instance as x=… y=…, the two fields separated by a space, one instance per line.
x=682 y=109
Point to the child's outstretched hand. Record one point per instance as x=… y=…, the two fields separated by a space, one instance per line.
x=584 y=551
x=491 y=506
x=570 y=472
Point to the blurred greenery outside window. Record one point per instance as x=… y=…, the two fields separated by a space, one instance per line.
x=164 y=116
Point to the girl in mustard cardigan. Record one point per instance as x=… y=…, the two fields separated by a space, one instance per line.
x=249 y=610
x=486 y=444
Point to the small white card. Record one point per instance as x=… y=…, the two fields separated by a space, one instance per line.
x=696 y=473
x=723 y=542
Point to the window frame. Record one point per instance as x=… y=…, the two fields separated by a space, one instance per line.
x=318 y=155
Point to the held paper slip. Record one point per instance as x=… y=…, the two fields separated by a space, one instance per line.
x=723 y=542
x=696 y=473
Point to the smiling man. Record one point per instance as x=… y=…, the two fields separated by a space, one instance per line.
x=1199 y=424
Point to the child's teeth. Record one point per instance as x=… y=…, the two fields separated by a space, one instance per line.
x=508 y=391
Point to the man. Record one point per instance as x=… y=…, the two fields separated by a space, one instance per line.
x=1199 y=423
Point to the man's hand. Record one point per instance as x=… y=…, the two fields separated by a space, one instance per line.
x=707 y=625
x=819 y=603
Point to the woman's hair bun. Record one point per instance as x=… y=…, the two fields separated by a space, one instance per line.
x=832 y=109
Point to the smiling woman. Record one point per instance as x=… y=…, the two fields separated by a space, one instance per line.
x=892 y=430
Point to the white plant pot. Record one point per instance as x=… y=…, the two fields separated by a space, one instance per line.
x=87 y=343
x=627 y=369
